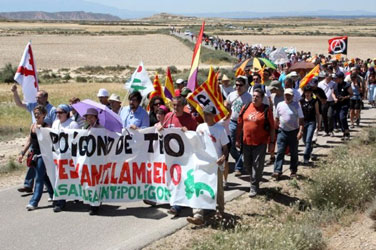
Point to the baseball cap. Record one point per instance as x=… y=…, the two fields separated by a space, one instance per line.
x=289 y=91
x=179 y=81
x=275 y=85
x=340 y=74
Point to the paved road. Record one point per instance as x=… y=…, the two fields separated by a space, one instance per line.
x=121 y=226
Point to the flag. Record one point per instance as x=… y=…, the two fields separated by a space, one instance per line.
x=203 y=96
x=261 y=73
x=314 y=72
x=140 y=81
x=214 y=85
x=241 y=70
x=338 y=45
x=169 y=89
x=192 y=79
x=26 y=75
x=158 y=91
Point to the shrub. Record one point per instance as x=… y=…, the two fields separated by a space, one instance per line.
x=81 y=79
x=7 y=73
x=173 y=69
x=347 y=179
x=11 y=166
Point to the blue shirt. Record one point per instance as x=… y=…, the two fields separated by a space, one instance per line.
x=51 y=112
x=140 y=118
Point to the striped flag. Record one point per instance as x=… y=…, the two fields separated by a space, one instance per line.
x=192 y=79
x=169 y=89
x=314 y=72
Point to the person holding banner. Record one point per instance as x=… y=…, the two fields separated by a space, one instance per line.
x=214 y=134
x=237 y=99
x=63 y=121
x=134 y=116
x=41 y=177
x=178 y=119
x=41 y=99
x=256 y=125
x=74 y=114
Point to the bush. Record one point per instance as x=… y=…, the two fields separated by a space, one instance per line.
x=7 y=73
x=347 y=179
x=11 y=166
x=173 y=70
x=81 y=79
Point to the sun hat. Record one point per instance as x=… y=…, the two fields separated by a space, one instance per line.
x=115 y=98
x=102 y=93
x=91 y=111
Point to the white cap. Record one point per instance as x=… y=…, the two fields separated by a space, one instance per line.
x=179 y=81
x=292 y=74
x=102 y=93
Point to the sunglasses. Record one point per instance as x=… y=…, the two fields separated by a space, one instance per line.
x=157 y=103
x=239 y=85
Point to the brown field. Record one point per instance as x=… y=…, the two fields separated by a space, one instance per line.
x=54 y=51
x=362 y=47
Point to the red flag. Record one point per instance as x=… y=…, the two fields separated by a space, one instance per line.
x=314 y=72
x=338 y=45
x=26 y=75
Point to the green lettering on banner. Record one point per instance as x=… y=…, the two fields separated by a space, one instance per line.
x=63 y=189
x=73 y=190
x=139 y=193
x=151 y=193
x=113 y=191
x=160 y=193
x=124 y=190
x=130 y=194
x=90 y=192
x=105 y=192
x=95 y=198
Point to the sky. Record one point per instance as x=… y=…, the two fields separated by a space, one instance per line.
x=188 y=6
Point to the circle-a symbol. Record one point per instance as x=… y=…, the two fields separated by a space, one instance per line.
x=338 y=46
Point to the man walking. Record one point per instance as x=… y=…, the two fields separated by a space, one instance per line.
x=290 y=120
x=257 y=124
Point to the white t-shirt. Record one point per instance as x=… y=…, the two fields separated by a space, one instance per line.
x=226 y=90
x=213 y=136
x=237 y=103
x=288 y=115
x=328 y=89
x=69 y=123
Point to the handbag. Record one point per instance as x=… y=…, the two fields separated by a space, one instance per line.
x=31 y=160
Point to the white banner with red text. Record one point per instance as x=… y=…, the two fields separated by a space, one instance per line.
x=169 y=166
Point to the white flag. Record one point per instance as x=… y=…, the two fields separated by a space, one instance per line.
x=140 y=81
x=26 y=75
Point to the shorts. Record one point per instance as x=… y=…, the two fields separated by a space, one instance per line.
x=355 y=104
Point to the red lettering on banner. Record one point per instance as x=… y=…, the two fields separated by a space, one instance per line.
x=114 y=179
x=125 y=175
x=95 y=174
x=60 y=165
x=149 y=169
x=85 y=176
x=164 y=170
x=73 y=173
x=105 y=168
x=138 y=172
x=175 y=168
x=156 y=172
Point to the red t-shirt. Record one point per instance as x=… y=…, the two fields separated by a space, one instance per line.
x=173 y=121
x=252 y=122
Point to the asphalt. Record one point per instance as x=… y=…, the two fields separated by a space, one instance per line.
x=119 y=225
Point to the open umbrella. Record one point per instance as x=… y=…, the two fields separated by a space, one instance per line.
x=256 y=63
x=302 y=65
x=268 y=63
x=107 y=118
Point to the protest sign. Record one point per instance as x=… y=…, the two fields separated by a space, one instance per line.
x=97 y=165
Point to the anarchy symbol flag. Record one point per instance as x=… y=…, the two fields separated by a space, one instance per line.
x=338 y=45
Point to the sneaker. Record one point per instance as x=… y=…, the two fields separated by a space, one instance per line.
x=276 y=176
x=195 y=220
x=50 y=199
x=30 y=207
x=326 y=135
x=332 y=134
x=252 y=192
x=352 y=126
x=150 y=203
x=57 y=209
x=306 y=163
x=25 y=190
x=238 y=173
x=293 y=175
x=225 y=185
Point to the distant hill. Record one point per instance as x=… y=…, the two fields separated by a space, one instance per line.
x=64 y=16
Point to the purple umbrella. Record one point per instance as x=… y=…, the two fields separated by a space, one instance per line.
x=107 y=118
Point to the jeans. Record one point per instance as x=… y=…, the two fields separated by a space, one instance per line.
x=233 y=151
x=284 y=139
x=29 y=178
x=40 y=179
x=328 y=116
x=254 y=161
x=343 y=111
x=372 y=92
x=309 y=129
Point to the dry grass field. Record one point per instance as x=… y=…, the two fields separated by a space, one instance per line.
x=58 y=51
